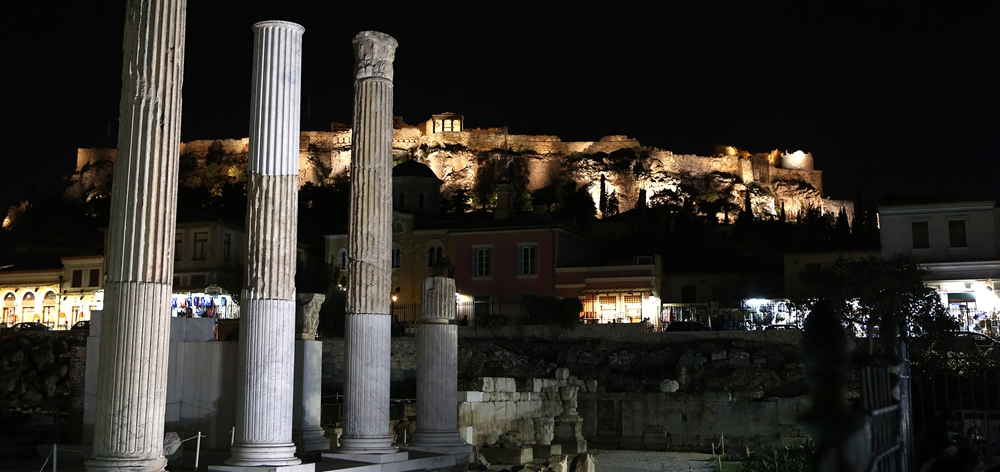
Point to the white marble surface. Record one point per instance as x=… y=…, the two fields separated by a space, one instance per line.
x=437 y=366
x=131 y=378
x=192 y=329
x=367 y=327
x=307 y=429
x=265 y=373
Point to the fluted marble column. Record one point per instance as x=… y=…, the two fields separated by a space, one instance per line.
x=437 y=366
x=367 y=344
x=132 y=370
x=267 y=332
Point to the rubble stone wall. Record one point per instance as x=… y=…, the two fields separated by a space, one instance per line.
x=687 y=422
x=38 y=369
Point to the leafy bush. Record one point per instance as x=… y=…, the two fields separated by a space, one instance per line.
x=491 y=321
x=778 y=459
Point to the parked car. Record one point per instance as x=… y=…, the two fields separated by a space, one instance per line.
x=81 y=325
x=687 y=326
x=30 y=326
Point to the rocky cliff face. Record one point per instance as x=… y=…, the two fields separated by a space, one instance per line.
x=476 y=161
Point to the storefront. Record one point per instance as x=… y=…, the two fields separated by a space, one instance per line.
x=211 y=303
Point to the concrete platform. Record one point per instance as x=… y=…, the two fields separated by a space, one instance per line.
x=417 y=460
x=263 y=468
x=366 y=458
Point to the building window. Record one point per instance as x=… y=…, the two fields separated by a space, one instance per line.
x=402 y=200
x=94 y=280
x=434 y=255
x=396 y=256
x=198 y=281
x=178 y=246
x=527 y=259
x=342 y=258
x=956 y=233
x=482 y=262
x=689 y=293
x=177 y=281
x=77 y=281
x=200 y=245
x=921 y=235
x=227 y=244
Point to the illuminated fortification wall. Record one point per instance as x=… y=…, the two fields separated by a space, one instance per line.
x=455 y=156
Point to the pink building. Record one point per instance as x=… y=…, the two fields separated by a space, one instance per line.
x=502 y=265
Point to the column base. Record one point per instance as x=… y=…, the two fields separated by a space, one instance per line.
x=251 y=455
x=436 y=438
x=310 y=440
x=349 y=445
x=107 y=464
x=263 y=468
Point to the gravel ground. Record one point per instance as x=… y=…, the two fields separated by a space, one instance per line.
x=644 y=461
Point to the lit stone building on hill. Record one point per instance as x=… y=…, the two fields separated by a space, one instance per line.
x=466 y=158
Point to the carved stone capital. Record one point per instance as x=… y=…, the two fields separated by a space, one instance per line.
x=373 y=54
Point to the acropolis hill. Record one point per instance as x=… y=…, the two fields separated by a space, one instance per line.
x=462 y=156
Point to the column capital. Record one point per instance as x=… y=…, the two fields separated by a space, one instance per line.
x=279 y=24
x=373 y=55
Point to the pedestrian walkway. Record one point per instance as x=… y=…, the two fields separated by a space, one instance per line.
x=643 y=461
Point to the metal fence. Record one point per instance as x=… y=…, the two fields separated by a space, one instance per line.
x=972 y=394
x=483 y=314
x=885 y=401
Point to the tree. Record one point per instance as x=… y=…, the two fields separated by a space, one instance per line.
x=865 y=292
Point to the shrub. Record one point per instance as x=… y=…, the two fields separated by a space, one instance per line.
x=553 y=311
x=778 y=459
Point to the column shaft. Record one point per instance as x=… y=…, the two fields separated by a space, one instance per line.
x=366 y=382
x=267 y=341
x=132 y=371
x=437 y=366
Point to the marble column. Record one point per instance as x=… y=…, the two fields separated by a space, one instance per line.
x=267 y=333
x=437 y=366
x=132 y=370
x=367 y=343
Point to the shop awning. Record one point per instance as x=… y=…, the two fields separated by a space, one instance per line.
x=617 y=290
x=961 y=297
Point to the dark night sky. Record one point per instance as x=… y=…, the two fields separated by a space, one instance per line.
x=897 y=99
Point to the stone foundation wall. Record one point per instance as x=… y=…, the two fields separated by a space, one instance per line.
x=496 y=405
x=687 y=422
